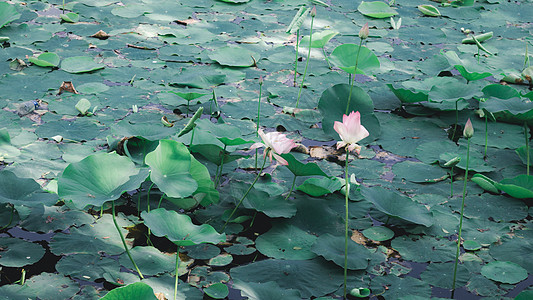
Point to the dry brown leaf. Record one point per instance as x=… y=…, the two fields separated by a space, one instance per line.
x=67 y=86
x=101 y=35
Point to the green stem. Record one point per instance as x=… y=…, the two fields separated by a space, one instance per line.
x=451 y=183
x=160 y=199
x=461 y=219
x=221 y=166
x=124 y=241
x=527 y=146
x=486 y=134
x=296 y=59
x=176 y=282
x=246 y=194
x=352 y=78
x=347 y=185
x=253 y=220
x=292 y=187
x=192 y=136
x=148 y=196
x=326 y=57
x=456 y=120
x=306 y=63
x=258 y=116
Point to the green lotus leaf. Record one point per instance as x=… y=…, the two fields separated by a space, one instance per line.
x=70 y=17
x=300 y=169
x=378 y=233
x=137 y=290
x=285 y=241
x=320 y=39
x=217 y=291
x=170 y=165
x=18 y=253
x=235 y=56
x=397 y=205
x=317 y=187
x=80 y=64
x=429 y=10
x=8 y=14
x=504 y=271
x=23 y=191
x=376 y=9
x=520 y=187
x=332 y=248
x=343 y=57
x=179 y=229
x=99 y=178
x=47 y=59
x=269 y=290
x=333 y=104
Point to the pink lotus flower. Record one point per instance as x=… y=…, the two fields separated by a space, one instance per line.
x=351 y=131
x=275 y=143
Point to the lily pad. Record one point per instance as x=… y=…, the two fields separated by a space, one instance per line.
x=265 y=290
x=504 y=271
x=234 y=56
x=18 y=253
x=317 y=187
x=80 y=64
x=217 y=291
x=378 y=233
x=332 y=248
x=22 y=191
x=376 y=9
x=286 y=242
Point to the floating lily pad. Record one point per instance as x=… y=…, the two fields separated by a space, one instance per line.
x=19 y=253
x=332 y=248
x=217 y=291
x=265 y=290
x=234 y=56
x=22 y=191
x=378 y=233
x=504 y=271
x=70 y=17
x=286 y=242
x=376 y=9
x=80 y=64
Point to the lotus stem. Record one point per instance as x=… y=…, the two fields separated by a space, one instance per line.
x=292 y=187
x=148 y=197
x=347 y=187
x=456 y=119
x=307 y=62
x=326 y=57
x=461 y=219
x=296 y=58
x=176 y=282
x=124 y=241
x=451 y=182
x=486 y=134
x=352 y=78
x=219 y=172
x=527 y=146
x=245 y=194
x=258 y=116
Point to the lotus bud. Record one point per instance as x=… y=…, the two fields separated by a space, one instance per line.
x=313 y=12
x=261 y=80
x=468 y=132
x=364 y=32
